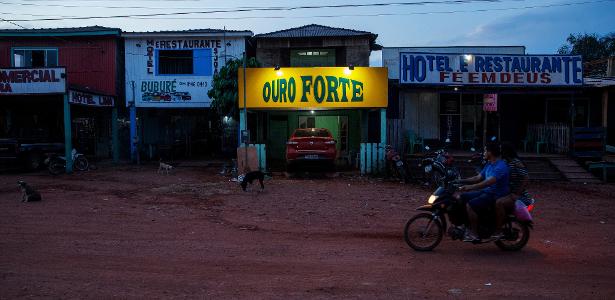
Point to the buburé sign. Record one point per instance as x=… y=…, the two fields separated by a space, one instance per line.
x=309 y=88
x=77 y=97
x=468 y=69
x=21 y=81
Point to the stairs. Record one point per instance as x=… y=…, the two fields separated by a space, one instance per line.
x=572 y=171
x=540 y=168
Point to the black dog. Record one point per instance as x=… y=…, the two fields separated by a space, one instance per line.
x=251 y=176
x=28 y=194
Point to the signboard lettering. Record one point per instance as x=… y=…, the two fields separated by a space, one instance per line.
x=32 y=81
x=490 y=102
x=77 y=97
x=521 y=70
x=315 y=87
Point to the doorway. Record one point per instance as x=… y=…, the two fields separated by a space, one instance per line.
x=278 y=136
x=337 y=125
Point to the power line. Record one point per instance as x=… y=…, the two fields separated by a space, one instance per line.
x=289 y=8
x=385 y=14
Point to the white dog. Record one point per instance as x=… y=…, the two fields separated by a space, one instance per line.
x=164 y=168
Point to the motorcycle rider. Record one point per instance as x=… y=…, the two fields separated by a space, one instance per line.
x=518 y=183
x=484 y=189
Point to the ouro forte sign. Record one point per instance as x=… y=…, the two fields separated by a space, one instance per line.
x=313 y=88
x=513 y=70
x=25 y=81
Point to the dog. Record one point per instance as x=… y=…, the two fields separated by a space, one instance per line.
x=250 y=177
x=164 y=167
x=28 y=194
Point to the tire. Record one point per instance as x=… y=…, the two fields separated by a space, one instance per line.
x=56 y=167
x=522 y=232
x=81 y=163
x=414 y=242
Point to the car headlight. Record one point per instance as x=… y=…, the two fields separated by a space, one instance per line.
x=432 y=199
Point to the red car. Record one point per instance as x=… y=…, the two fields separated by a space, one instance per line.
x=311 y=144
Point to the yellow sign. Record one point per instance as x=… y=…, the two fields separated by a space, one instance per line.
x=314 y=88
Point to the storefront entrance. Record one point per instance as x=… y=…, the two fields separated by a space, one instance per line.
x=347 y=102
x=344 y=126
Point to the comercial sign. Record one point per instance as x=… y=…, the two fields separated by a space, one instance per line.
x=490 y=102
x=77 y=97
x=509 y=70
x=314 y=88
x=25 y=81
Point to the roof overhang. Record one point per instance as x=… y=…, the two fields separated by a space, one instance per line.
x=244 y=34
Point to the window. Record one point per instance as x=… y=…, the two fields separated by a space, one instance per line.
x=312 y=132
x=175 y=62
x=197 y=62
x=35 y=58
x=312 y=58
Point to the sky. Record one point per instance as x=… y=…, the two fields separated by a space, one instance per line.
x=542 y=26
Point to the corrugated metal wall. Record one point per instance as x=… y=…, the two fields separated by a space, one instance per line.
x=421 y=113
x=90 y=61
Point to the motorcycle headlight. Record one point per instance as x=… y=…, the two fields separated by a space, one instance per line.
x=432 y=199
x=428 y=169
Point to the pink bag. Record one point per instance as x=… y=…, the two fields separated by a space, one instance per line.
x=521 y=212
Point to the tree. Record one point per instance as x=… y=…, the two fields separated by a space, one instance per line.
x=594 y=49
x=224 y=91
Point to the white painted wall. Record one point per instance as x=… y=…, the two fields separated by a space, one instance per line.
x=196 y=87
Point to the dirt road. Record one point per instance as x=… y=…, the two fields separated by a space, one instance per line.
x=131 y=233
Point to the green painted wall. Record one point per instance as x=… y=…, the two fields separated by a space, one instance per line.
x=354 y=127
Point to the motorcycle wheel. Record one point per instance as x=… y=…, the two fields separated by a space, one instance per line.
x=81 y=163
x=55 y=167
x=423 y=233
x=516 y=236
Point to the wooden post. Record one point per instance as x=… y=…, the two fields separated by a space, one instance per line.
x=115 y=140
x=605 y=108
x=68 y=138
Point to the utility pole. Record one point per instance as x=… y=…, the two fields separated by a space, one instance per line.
x=245 y=112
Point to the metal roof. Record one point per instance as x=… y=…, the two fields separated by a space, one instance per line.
x=599 y=81
x=68 y=31
x=191 y=32
x=315 y=30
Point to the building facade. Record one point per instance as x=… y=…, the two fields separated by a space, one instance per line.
x=317 y=50
x=83 y=113
x=168 y=75
x=471 y=94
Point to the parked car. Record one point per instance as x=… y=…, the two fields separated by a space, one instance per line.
x=26 y=153
x=311 y=144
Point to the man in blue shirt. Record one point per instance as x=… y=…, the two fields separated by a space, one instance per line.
x=491 y=184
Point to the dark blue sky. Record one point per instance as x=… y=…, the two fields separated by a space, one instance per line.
x=542 y=30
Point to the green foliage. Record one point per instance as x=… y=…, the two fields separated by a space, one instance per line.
x=590 y=46
x=224 y=91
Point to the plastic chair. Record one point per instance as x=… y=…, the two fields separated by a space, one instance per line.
x=541 y=143
x=414 y=140
x=529 y=139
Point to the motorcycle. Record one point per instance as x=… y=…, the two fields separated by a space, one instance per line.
x=424 y=231
x=436 y=165
x=395 y=164
x=56 y=164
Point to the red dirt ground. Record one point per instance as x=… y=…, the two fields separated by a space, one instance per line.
x=128 y=232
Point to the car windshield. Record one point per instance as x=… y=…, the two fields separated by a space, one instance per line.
x=312 y=132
